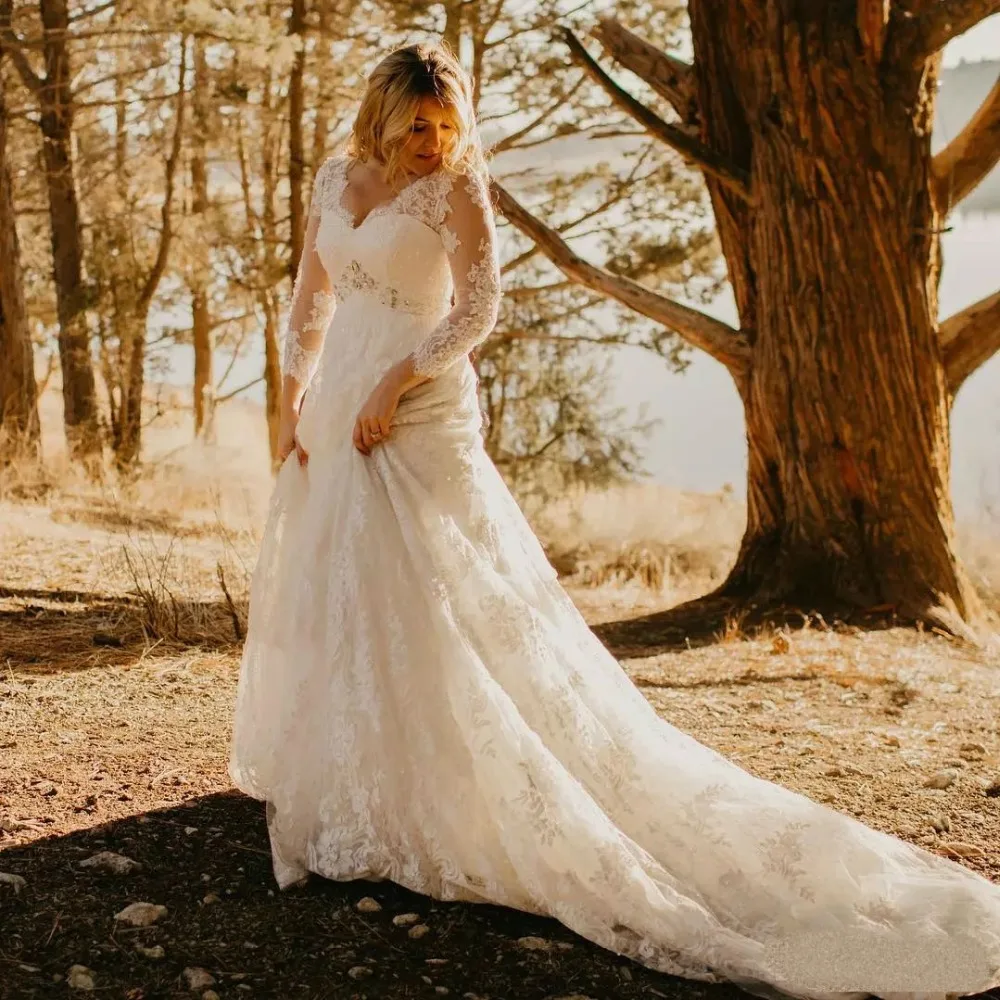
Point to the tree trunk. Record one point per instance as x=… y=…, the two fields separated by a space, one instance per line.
x=20 y=436
x=296 y=137
x=56 y=98
x=202 y=331
x=835 y=274
x=272 y=372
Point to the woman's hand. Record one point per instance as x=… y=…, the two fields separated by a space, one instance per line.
x=374 y=421
x=288 y=439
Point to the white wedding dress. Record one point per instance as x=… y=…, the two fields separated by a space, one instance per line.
x=420 y=701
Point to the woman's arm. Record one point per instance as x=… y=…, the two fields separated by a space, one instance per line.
x=470 y=241
x=309 y=315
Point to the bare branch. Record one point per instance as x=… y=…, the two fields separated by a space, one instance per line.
x=969 y=339
x=942 y=21
x=672 y=78
x=873 y=22
x=11 y=46
x=508 y=141
x=716 y=338
x=235 y=392
x=971 y=155
x=733 y=177
x=166 y=209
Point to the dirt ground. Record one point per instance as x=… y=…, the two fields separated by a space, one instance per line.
x=118 y=657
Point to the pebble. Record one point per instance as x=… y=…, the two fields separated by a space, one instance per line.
x=964 y=850
x=942 y=779
x=359 y=972
x=419 y=931
x=436 y=961
x=141 y=914
x=197 y=979
x=942 y=824
x=892 y=741
x=212 y=897
x=992 y=788
x=210 y=995
x=80 y=977
x=972 y=750
x=441 y=991
x=155 y=951
x=14 y=881
x=368 y=905
x=113 y=864
x=534 y=944
x=406 y=919
x=29 y=968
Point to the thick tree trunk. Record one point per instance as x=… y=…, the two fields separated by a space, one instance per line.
x=79 y=391
x=19 y=427
x=835 y=271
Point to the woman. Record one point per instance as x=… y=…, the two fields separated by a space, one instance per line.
x=419 y=699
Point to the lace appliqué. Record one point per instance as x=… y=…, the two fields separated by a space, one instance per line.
x=300 y=360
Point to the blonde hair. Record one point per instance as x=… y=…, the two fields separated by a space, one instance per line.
x=389 y=107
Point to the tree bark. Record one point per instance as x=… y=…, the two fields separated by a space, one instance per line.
x=20 y=436
x=56 y=105
x=835 y=274
x=296 y=137
x=202 y=330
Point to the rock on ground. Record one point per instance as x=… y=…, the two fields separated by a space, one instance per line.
x=141 y=914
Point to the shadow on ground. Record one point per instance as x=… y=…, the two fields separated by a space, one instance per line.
x=257 y=942
x=64 y=630
x=711 y=619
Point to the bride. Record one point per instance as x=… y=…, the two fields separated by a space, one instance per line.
x=420 y=701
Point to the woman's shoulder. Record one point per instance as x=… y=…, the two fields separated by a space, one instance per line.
x=328 y=181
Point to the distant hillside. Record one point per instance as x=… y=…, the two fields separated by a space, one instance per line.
x=963 y=88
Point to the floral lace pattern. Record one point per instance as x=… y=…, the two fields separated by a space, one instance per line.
x=432 y=709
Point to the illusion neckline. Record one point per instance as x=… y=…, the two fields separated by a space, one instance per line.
x=381 y=206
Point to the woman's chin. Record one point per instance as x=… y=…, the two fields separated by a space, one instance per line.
x=424 y=164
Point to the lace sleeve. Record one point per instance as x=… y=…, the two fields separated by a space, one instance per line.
x=312 y=304
x=469 y=235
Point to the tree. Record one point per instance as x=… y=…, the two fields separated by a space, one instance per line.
x=54 y=95
x=19 y=427
x=811 y=124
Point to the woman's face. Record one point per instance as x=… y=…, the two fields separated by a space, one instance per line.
x=433 y=132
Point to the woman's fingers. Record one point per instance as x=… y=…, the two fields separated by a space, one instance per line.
x=358 y=437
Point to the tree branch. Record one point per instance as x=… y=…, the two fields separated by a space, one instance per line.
x=716 y=338
x=10 y=45
x=733 y=177
x=971 y=155
x=672 y=78
x=166 y=209
x=969 y=339
x=942 y=21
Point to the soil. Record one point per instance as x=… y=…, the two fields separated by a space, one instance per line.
x=114 y=725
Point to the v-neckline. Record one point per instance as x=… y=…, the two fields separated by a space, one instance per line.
x=349 y=215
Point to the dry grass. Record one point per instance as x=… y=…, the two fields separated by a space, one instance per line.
x=120 y=642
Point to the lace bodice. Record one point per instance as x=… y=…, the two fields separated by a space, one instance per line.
x=431 y=244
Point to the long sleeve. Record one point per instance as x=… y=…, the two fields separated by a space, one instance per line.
x=471 y=243
x=312 y=302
